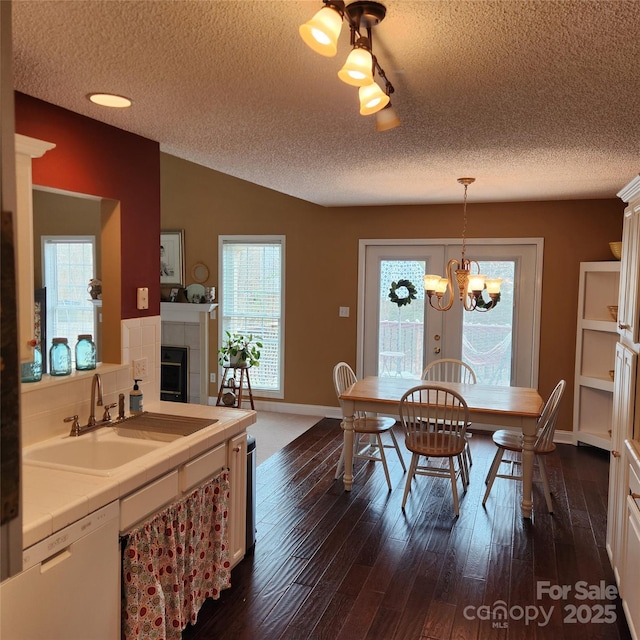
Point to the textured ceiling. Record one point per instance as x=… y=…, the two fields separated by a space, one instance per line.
x=538 y=100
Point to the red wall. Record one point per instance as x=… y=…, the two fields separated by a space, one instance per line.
x=98 y=159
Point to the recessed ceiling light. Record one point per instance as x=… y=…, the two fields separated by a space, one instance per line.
x=109 y=100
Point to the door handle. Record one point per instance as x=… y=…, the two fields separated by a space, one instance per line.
x=436 y=350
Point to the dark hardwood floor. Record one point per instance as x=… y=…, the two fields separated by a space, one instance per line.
x=332 y=564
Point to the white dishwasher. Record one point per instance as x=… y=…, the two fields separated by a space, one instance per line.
x=69 y=588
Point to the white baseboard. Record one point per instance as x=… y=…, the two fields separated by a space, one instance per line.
x=287 y=407
x=564 y=437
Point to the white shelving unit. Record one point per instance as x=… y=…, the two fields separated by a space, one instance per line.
x=595 y=353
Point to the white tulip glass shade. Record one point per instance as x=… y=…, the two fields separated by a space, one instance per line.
x=358 y=68
x=431 y=282
x=322 y=31
x=476 y=282
x=372 y=99
x=441 y=285
x=387 y=118
x=493 y=285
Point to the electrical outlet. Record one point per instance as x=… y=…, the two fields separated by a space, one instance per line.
x=343 y=312
x=212 y=378
x=140 y=368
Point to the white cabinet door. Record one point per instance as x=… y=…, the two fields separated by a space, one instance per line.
x=629 y=280
x=237 y=461
x=623 y=411
x=630 y=588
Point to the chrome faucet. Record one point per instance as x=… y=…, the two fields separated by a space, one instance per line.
x=96 y=383
x=76 y=429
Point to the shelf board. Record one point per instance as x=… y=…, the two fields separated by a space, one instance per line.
x=609 y=326
x=603 y=384
x=602 y=441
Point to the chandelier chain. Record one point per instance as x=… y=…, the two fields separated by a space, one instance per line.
x=464 y=223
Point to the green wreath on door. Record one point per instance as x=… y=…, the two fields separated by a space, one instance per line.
x=404 y=300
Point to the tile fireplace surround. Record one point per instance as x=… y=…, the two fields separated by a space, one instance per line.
x=187 y=325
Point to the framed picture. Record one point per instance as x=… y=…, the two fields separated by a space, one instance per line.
x=174 y=294
x=172 y=257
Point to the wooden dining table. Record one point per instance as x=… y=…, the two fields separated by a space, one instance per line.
x=517 y=407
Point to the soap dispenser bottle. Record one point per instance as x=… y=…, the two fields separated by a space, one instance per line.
x=135 y=398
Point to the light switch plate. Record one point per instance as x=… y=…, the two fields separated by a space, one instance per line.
x=343 y=312
x=143 y=297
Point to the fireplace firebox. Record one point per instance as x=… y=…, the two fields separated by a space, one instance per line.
x=174 y=374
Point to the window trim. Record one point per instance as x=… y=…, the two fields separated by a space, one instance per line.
x=256 y=239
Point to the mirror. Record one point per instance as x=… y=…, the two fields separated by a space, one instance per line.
x=65 y=215
x=108 y=240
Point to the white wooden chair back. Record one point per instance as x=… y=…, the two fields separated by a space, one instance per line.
x=449 y=370
x=343 y=378
x=431 y=414
x=548 y=418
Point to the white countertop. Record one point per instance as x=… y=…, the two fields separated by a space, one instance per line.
x=52 y=499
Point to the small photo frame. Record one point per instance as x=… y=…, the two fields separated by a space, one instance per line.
x=174 y=294
x=172 y=257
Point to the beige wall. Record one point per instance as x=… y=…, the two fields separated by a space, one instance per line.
x=57 y=214
x=322 y=256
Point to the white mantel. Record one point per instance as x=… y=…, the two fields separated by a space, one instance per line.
x=185 y=311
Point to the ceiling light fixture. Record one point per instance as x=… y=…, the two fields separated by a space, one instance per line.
x=110 y=100
x=321 y=33
x=471 y=286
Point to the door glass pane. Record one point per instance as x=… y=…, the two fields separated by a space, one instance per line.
x=486 y=336
x=401 y=330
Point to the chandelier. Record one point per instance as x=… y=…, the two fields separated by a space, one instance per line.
x=472 y=286
x=321 y=34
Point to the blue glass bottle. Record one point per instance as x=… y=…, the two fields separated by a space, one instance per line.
x=32 y=371
x=60 y=358
x=85 y=353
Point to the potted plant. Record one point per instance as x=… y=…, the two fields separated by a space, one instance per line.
x=239 y=350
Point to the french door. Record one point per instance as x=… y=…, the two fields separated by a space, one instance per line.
x=401 y=339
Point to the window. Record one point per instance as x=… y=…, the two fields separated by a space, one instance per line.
x=252 y=302
x=68 y=266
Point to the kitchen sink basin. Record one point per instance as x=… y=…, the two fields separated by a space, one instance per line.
x=103 y=451
x=98 y=453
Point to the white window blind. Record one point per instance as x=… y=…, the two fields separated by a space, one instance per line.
x=252 y=301
x=68 y=265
